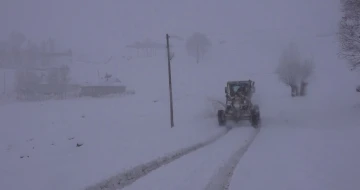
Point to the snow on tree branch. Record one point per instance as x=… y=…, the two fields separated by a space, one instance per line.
x=293 y=71
x=349 y=32
x=198 y=45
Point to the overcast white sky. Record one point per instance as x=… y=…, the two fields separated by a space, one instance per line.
x=102 y=26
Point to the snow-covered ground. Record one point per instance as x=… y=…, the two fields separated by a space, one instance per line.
x=312 y=148
x=194 y=171
x=39 y=140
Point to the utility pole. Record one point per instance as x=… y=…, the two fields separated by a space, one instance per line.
x=4 y=82
x=170 y=85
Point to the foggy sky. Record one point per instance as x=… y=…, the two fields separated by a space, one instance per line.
x=103 y=27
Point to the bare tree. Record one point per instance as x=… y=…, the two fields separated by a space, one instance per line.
x=59 y=75
x=293 y=71
x=307 y=69
x=289 y=64
x=65 y=74
x=25 y=80
x=31 y=53
x=198 y=45
x=17 y=39
x=15 y=42
x=349 y=32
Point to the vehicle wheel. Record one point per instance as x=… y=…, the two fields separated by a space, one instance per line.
x=255 y=108
x=221 y=117
x=255 y=121
x=255 y=117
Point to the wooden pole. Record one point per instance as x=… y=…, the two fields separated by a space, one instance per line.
x=4 y=82
x=170 y=85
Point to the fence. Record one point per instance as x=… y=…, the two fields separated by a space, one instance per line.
x=7 y=82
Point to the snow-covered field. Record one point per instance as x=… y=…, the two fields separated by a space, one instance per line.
x=39 y=140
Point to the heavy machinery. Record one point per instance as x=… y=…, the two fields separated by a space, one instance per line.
x=239 y=105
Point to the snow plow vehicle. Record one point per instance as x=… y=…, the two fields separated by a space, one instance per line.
x=239 y=105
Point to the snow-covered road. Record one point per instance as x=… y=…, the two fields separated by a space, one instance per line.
x=196 y=170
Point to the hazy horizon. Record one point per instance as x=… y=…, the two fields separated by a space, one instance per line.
x=103 y=28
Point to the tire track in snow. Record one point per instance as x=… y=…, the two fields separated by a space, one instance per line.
x=221 y=180
x=130 y=176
